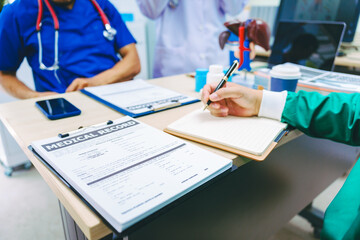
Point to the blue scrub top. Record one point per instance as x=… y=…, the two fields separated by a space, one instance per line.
x=83 y=50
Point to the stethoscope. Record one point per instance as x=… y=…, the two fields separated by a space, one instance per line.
x=108 y=33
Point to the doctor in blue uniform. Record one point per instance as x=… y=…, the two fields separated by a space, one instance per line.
x=69 y=44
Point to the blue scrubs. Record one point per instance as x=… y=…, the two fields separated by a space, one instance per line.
x=83 y=50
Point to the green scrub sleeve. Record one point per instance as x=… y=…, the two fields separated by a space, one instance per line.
x=342 y=217
x=335 y=116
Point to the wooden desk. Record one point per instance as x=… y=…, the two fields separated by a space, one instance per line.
x=27 y=124
x=277 y=188
x=352 y=59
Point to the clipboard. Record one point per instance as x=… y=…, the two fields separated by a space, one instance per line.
x=67 y=184
x=138 y=223
x=150 y=98
x=143 y=221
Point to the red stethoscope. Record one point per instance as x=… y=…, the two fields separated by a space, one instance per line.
x=108 y=33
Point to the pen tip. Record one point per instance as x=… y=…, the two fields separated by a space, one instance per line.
x=205 y=107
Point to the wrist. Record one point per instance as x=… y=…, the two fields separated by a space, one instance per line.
x=100 y=79
x=93 y=81
x=32 y=94
x=272 y=104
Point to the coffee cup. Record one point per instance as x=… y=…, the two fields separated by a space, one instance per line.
x=284 y=77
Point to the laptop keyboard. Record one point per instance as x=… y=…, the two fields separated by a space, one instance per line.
x=306 y=74
x=313 y=75
x=350 y=79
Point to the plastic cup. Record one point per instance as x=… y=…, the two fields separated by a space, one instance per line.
x=200 y=78
x=284 y=77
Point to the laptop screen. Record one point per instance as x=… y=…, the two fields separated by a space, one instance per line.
x=308 y=43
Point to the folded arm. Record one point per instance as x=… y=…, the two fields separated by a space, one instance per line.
x=17 y=88
x=124 y=70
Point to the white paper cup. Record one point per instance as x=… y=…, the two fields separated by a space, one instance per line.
x=284 y=77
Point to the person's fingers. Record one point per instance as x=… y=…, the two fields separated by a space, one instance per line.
x=206 y=91
x=215 y=105
x=77 y=84
x=228 y=92
x=82 y=84
x=223 y=111
x=72 y=86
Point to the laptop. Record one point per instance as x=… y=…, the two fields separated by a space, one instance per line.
x=308 y=43
x=313 y=46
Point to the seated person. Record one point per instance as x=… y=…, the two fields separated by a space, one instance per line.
x=335 y=116
x=78 y=55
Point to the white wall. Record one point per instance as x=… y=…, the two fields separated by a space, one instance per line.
x=128 y=6
x=143 y=30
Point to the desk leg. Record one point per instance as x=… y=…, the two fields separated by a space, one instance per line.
x=72 y=230
x=315 y=217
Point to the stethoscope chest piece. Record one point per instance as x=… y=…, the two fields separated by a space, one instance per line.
x=109 y=32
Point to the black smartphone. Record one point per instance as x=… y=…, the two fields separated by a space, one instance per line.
x=57 y=108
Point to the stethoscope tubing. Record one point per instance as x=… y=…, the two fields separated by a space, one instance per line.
x=103 y=16
x=109 y=32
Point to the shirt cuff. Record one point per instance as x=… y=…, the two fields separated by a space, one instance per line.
x=272 y=104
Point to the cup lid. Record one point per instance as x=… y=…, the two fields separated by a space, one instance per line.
x=285 y=72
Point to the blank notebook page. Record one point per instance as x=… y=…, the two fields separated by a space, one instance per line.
x=249 y=134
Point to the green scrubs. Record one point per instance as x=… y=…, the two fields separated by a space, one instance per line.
x=336 y=117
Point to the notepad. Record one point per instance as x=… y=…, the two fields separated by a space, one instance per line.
x=252 y=137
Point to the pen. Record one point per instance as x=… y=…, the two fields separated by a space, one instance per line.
x=231 y=70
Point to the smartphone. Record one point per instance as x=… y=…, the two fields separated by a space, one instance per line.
x=57 y=108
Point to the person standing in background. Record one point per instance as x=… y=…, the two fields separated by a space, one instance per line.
x=187 y=33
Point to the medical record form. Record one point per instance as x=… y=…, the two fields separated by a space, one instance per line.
x=127 y=170
x=137 y=97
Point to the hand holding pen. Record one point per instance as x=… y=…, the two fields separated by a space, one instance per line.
x=229 y=72
x=232 y=99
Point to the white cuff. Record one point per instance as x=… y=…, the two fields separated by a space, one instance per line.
x=272 y=104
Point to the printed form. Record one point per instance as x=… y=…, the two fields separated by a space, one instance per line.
x=138 y=96
x=128 y=170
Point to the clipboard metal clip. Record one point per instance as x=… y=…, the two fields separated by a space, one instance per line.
x=81 y=128
x=162 y=106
